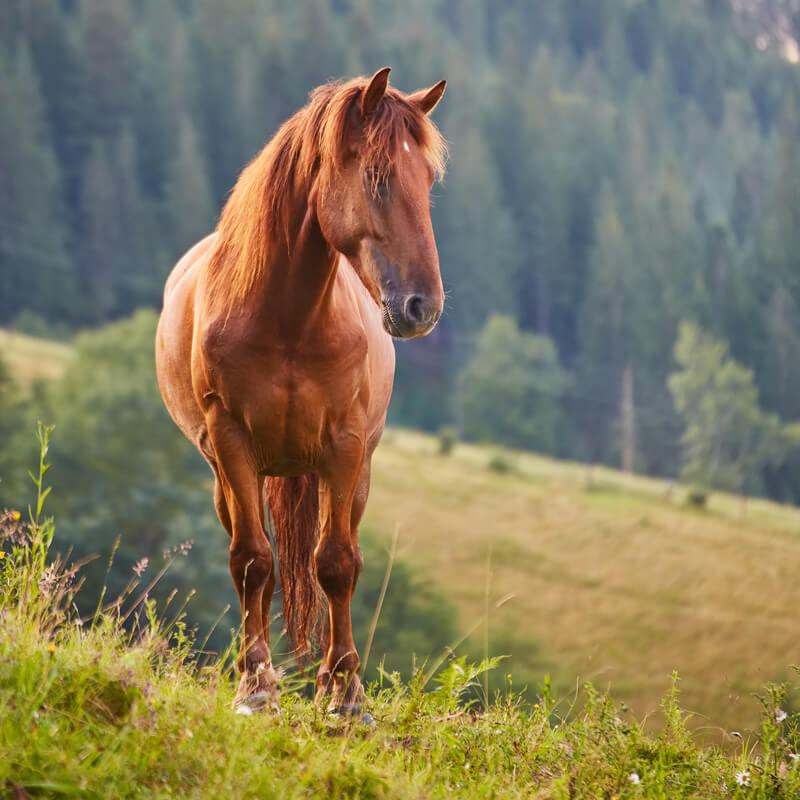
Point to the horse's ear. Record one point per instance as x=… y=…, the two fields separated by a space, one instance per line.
x=426 y=99
x=375 y=90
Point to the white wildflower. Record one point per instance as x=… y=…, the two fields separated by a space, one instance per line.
x=634 y=778
x=743 y=778
x=780 y=715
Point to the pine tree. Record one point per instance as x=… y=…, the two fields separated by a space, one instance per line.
x=779 y=251
x=111 y=69
x=100 y=235
x=35 y=268
x=476 y=235
x=187 y=199
x=608 y=327
x=142 y=265
x=54 y=43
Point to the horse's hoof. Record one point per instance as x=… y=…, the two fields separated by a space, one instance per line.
x=353 y=711
x=348 y=709
x=368 y=721
x=256 y=703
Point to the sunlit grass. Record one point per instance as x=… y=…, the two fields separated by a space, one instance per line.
x=30 y=358
x=95 y=708
x=612 y=575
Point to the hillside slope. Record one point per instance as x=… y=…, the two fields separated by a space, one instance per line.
x=613 y=578
x=93 y=709
x=30 y=358
x=618 y=581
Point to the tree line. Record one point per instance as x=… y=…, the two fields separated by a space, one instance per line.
x=617 y=168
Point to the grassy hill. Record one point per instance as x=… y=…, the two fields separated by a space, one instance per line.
x=605 y=576
x=614 y=579
x=95 y=710
x=30 y=358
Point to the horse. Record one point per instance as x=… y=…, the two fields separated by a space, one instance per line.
x=274 y=356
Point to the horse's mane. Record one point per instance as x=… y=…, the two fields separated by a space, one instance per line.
x=258 y=215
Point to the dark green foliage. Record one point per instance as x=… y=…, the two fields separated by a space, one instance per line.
x=35 y=269
x=617 y=167
x=500 y=462
x=448 y=436
x=697 y=497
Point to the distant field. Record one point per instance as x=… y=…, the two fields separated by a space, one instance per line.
x=30 y=358
x=617 y=581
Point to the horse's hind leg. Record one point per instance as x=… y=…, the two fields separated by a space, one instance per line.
x=239 y=497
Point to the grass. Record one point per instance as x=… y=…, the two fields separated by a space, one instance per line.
x=617 y=580
x=96 y=709
x=30 y=358
x=614 y=579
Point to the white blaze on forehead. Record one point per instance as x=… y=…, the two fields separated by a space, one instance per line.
x=406 y=147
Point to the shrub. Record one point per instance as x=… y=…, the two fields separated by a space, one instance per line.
x=697 y=497
x=448 y=436
x=501 y=462
x=512 y=388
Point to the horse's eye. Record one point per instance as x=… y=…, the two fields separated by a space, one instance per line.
x=377 y=182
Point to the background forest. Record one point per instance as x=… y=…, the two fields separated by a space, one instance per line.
x=622 y=172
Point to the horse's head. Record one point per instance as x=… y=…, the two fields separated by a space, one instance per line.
x=373 y=201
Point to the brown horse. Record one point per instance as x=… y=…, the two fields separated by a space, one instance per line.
x=274 y=353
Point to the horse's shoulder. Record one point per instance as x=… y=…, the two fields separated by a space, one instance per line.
x=188 y=261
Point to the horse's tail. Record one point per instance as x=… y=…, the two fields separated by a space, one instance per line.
x=293 y=504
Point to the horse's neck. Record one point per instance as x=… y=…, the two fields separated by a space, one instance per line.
x=296 y=286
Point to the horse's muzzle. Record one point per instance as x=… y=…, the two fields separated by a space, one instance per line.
x=407 y=316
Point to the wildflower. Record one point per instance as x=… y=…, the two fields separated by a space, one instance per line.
x=794 y=756
x=51 y=647
x=780 y=715
x=743 y=778
x=634 y=778
x=140 y=566
x=2 y=555
x=10 y=528
x=186 y=546
x=49 y=579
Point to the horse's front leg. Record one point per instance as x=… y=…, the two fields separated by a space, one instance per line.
x=338 y=561
x=239 y=500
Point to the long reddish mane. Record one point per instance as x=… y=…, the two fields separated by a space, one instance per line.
x=259 y=213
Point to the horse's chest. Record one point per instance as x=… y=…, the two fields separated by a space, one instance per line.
x=297 y=406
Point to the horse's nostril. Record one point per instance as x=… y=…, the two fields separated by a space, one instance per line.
x=414 y=308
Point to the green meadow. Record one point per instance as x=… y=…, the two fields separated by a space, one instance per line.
x=118 y=704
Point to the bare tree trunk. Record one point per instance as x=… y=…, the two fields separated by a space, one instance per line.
x=628 y=419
